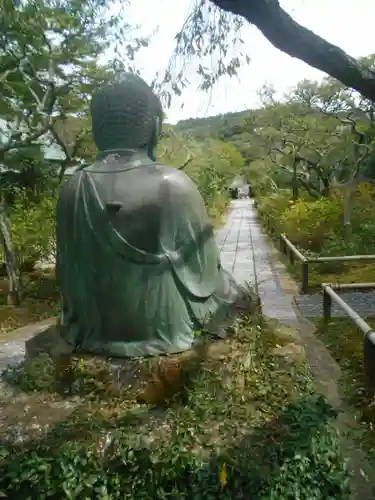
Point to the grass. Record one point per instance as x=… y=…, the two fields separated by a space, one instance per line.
x=348 y=272
x=345 y=342
x=339 y=272
x=342 y=273
x=41 y=301
x=250 y=425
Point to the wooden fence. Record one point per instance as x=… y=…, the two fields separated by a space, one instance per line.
x=329 y=296
x=289 y=249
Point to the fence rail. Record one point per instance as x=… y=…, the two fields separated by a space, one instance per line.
x=329 y=296
x=342 y=258
x=289 y=249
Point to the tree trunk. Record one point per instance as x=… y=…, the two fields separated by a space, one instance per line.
x=297 y=41
x=295 y=182
x=10 y=259
x=348 y=199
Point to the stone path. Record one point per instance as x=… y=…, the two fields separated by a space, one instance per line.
x=246 y=252
x=13 y=351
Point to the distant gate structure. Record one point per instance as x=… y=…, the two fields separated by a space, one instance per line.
x=239 y=188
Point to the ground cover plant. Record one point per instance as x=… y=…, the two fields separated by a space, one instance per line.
x=345 y=342
x=316 y=230
x=250 y=427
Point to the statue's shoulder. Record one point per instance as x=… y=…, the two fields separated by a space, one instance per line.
x=69 y=182
x=175 y=178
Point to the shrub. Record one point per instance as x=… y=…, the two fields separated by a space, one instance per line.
x=33 y=228
x=272 y=206
x=214 y=165
x=308 y=223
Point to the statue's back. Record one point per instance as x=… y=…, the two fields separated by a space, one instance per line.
x=142 y=203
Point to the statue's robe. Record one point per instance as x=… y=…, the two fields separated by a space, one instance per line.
x=137 y=260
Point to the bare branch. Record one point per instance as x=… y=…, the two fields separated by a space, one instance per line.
x=189 y=159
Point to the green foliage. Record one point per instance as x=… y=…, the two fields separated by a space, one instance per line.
x=42 y=300
x=36 y=375
x=319 y=144
x=309 y=223
x=208 y=35
x=349 y=354
x=272 y=206
x=222 y=163
x=319 y=135
x=49 y=67
x=33 y=228
x=316 y=226
x=214 y=165
x=271 y=442
x=28 y=174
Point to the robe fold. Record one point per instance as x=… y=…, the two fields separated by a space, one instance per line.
x=137 y=261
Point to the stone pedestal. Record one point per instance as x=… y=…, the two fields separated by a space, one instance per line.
x=48 y=342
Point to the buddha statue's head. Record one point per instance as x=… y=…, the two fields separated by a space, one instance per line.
x=126 y=114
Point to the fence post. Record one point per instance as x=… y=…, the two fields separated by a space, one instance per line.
x=282 y=245
x=305 y=276
x=291 y=256
x=369 y=361
x=327 y=305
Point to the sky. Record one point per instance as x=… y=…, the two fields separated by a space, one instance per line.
x=348 y=24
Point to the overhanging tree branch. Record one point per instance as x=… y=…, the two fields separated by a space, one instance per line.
x=297 y=41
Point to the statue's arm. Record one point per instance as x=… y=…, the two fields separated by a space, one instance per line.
x=183 y=197
x=188 y=234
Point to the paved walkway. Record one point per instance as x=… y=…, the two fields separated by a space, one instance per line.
x=246 y=252
x=250 y=256
x=13 y=351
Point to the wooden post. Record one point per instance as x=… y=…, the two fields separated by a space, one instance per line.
x=291 y=256
x=327 y=306
x=305 y=276
x=369 y=362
